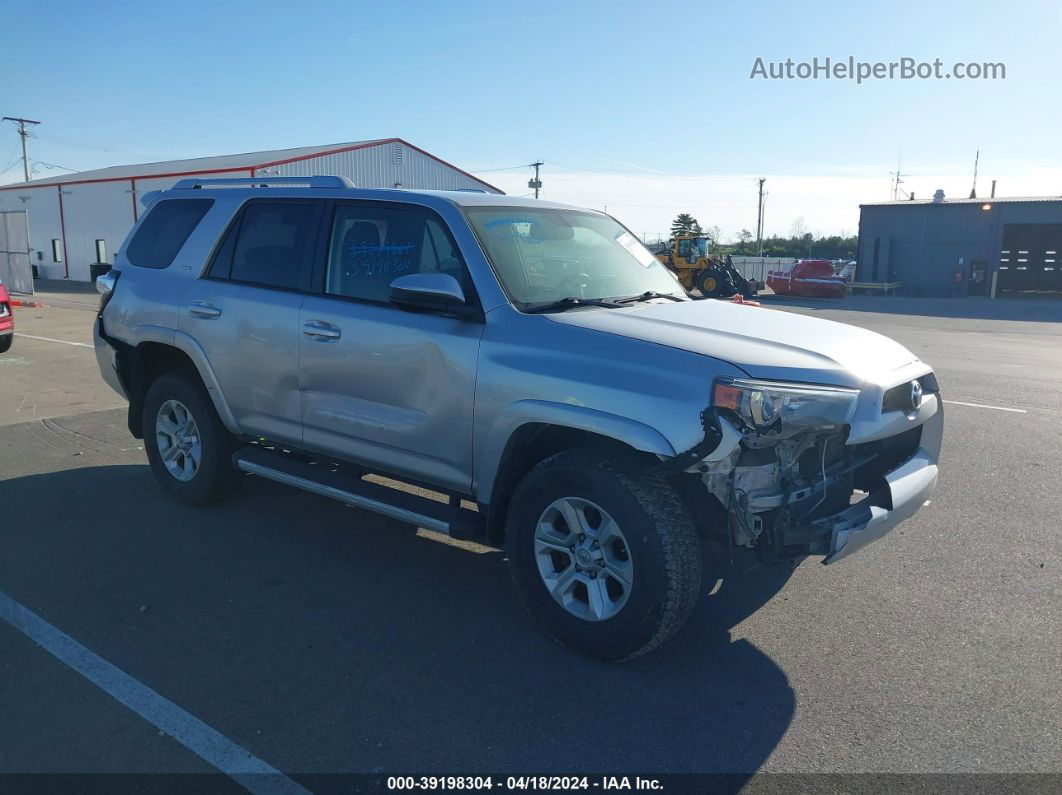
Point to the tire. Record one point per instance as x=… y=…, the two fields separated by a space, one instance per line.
x=5 y=342
x=661 y=545
x=711 y=283
x=212 y=474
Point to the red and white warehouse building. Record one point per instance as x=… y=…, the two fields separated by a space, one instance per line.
x=82 y=218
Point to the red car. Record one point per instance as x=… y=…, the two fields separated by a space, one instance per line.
x=7 y=320
x=810 y=278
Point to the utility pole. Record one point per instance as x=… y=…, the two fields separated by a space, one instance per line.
x=24 y=133
x=973 y=190
x=759 y=220
x=535 y=183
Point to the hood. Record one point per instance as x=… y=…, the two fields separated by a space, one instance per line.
x=765 y=343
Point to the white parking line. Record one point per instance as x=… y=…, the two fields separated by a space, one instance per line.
x=983 y=406
x=210 y=745
x=49 y=339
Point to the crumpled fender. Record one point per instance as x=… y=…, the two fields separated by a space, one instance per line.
x=631 y=432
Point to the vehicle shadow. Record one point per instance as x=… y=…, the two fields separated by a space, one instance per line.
x=326 y=639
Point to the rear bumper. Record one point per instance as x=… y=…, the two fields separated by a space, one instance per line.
x=106 y=358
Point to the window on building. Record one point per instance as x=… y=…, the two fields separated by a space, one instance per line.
x=164 y=231
x=273 y=246
x=57 y=250
x=101 y=250
x=371 y=246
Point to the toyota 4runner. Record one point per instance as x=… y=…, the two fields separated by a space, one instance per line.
x=533 y=365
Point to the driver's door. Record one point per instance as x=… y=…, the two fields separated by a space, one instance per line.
x=382 y=385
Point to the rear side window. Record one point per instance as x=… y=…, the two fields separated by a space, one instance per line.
x=271 y=245
x=164 y=231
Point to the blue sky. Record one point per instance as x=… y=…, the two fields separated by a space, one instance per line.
x=645 y=107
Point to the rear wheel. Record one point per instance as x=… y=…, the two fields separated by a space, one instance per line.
x=5 y=342
x=187 y=446
x=603 y=554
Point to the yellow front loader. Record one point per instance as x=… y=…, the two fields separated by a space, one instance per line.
x=716 y=278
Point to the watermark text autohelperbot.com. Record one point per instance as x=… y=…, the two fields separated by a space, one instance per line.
x=864 y=71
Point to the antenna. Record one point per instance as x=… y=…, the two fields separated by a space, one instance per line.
x=973 y=190
x=897 y=178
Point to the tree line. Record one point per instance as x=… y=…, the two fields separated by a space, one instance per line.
x=800 y=243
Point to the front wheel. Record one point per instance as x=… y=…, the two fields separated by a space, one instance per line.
x=603 y=553
x=187 y=445
x=5 y=342
x=711 y=283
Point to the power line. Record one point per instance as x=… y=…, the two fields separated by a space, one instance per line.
x=613 y=172
x=24 y=134
x=50 y=166
x=492 y=170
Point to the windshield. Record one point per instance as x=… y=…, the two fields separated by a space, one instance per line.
x=544 y=255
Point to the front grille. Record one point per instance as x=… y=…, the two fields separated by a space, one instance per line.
x=898 y=398
x=887 y=454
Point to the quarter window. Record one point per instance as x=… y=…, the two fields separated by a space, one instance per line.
x=164 y=231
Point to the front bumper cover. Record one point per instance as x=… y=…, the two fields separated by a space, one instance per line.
x=906 y=489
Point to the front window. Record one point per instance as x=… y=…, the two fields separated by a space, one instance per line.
x=694 y=248
x=545 y=255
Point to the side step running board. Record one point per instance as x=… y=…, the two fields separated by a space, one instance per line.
x=318 y=479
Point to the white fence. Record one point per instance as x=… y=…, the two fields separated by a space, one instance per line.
x=757 y=267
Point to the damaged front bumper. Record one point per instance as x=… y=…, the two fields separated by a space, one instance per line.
x=906 y=490
x=901 y=492
x=791 y=497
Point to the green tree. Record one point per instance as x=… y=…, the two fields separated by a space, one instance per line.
x=684 y=224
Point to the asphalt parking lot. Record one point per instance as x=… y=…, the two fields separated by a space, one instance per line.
x=324 y=639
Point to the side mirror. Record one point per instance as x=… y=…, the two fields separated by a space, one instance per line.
x=433 y=292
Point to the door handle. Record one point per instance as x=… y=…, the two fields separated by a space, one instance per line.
x=320 y=331
x=203 y=309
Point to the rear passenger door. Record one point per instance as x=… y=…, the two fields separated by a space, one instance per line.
x=383 y=386
x=244 y=312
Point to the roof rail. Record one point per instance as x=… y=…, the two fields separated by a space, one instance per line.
x=263 y=182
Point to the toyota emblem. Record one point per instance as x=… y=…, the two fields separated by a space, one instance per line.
x=916 y=395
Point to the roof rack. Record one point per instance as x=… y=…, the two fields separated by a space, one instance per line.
x=263 y=182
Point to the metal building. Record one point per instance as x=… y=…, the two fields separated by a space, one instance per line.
x=1013 y=244
x=78 y=219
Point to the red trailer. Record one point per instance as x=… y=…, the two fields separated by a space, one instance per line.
x=810 y=278
x=7 y=320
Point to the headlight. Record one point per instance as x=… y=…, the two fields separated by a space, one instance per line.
x=763 y=405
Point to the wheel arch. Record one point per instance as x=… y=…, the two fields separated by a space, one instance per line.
x=531 y=431
x=151 y=358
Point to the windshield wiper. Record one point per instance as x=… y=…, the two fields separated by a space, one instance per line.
x=646 y=296
x=569 y=302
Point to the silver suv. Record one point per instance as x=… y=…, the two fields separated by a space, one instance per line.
x=532 y=366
